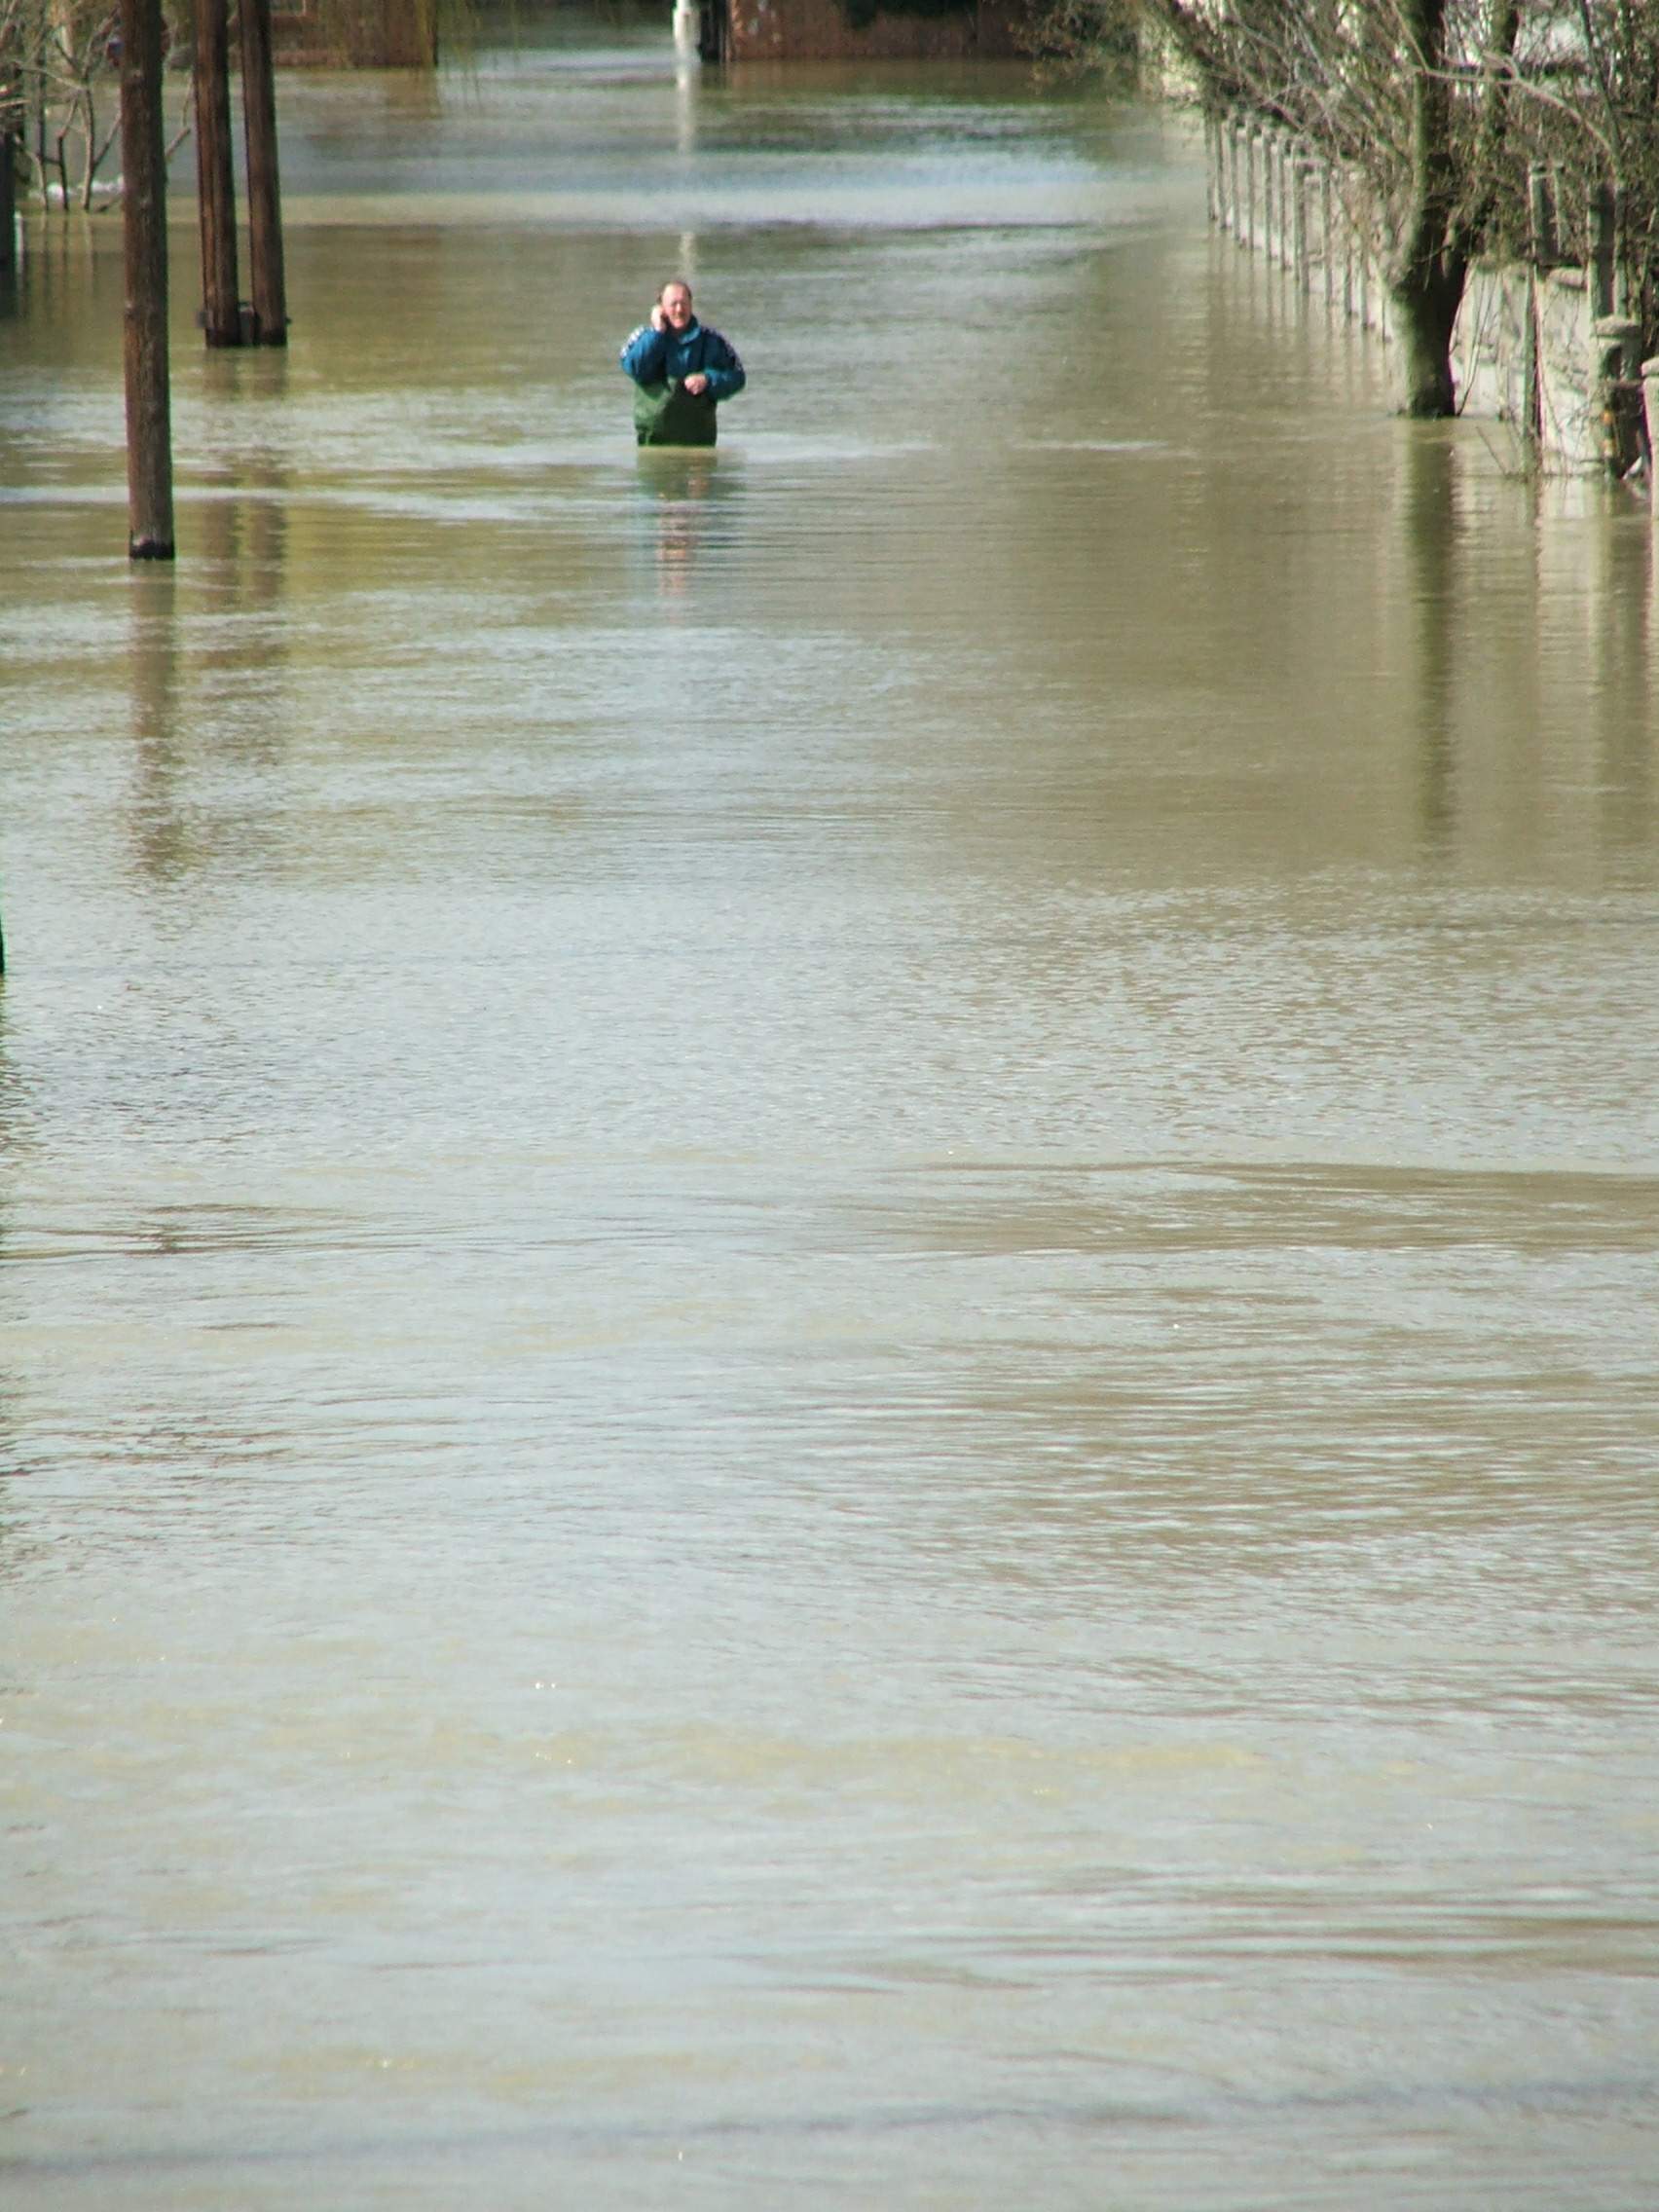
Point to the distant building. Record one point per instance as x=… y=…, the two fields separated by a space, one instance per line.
x=853 y=30
x=354 y=34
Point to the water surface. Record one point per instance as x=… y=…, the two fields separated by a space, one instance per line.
x=827 y=1274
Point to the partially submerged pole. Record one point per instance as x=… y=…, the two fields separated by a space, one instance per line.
x=144 y=174
x=264 y=187
x=8 y=202
x=215 y=176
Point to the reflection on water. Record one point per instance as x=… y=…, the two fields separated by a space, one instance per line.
x=681 y=488
x=826 y=1271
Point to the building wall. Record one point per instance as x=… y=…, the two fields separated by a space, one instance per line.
x=817 y=30
x=354 y=34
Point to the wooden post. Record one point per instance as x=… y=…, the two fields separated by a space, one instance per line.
x=144 y=217
x=1230 y=171
x=264 y=187
x=1304 y=268
x=1269 y=192
x=215 y=178
x=1362 y=268
x=1287 y=205
x=8 y=202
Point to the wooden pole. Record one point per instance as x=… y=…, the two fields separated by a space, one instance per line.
x=215 y=178
x=8 y=202
x=264 y=186
x=144 y=217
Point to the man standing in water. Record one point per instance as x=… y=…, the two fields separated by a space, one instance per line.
x=681 y=370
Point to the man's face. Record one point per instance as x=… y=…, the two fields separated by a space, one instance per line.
x=675 y=305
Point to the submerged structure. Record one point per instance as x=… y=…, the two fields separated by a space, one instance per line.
x=857 y=30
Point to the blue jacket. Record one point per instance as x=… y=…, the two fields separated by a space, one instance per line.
x=659 y=362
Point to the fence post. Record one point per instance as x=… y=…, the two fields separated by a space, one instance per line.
x=1270 y=182
x=1230 y=159
x=1304 y=267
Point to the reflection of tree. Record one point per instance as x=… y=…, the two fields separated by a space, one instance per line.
x=160 y=825
x=1430 y=527
x=1628 y=578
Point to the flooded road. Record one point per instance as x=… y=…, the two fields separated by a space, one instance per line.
x=827 y=1274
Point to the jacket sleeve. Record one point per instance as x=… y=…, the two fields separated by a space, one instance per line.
x=722 y=368
x=644 y=356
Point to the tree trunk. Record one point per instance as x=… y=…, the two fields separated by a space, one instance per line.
x=144 y=219
x=1424 y=319
x=1425 y=280
x=8 y=200
x=215 y=176
x=264 y=187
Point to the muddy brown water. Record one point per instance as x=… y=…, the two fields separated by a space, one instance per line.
x=827 y=1275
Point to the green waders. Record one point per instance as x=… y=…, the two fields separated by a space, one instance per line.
x=668 y=415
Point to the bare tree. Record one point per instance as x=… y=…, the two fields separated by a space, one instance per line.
x=60 y=95
x=1431 y=111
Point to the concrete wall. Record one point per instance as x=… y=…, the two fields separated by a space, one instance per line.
x=1533 y=347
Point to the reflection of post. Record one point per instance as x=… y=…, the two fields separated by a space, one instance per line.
x=264 y=190
x=215 y=182
x=144 y=221
x=685 y=103
x=157 y=821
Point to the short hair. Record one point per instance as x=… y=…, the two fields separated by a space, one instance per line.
x=676 y=283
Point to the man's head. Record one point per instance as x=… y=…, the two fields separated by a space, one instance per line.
x=674 y=300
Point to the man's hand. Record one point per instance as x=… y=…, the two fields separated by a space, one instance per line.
x=656 y=316
x=697 y=384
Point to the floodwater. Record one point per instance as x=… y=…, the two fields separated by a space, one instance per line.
x=828 y=1327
